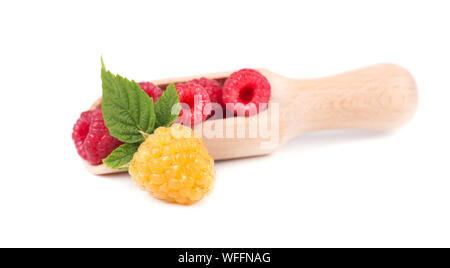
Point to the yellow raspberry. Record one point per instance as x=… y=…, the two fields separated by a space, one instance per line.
x=173 y=164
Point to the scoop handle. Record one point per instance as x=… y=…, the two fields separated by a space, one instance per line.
x=379 y=97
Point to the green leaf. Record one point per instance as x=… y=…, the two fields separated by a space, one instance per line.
x=167 y=107
x=127 y=110
x=121 y=156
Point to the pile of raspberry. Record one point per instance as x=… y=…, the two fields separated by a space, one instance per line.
x=245 y=93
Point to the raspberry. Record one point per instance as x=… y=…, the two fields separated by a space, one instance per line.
x=152 y=90
x=196 y=98
x=213 y=88
x=92 y=138
x=246 y=89
x=174 y=165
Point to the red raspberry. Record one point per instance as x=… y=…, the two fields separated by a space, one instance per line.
x=92 y=138
x=246 y=89
x=196 y=97
x=152 y=90
x=213 y=88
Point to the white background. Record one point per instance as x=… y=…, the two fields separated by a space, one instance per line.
x=330 y=189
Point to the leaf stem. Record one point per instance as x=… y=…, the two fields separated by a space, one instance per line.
x=144 y=134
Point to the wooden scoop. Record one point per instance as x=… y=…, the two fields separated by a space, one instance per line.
x=379 y=97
